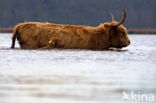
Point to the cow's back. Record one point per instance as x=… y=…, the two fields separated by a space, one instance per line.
x=36 y=35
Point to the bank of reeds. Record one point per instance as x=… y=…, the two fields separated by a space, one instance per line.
x=130 y=31
x=6 y=30
x=142 y=31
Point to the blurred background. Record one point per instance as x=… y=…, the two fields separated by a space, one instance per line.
x=141 y=13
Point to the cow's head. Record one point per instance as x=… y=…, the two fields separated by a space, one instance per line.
x=118 y=36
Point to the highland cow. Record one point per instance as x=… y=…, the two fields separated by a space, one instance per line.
x=35 y=35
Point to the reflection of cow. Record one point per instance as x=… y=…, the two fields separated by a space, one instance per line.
x=34 y=35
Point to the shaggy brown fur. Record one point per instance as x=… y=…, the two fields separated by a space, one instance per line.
x=34 y=35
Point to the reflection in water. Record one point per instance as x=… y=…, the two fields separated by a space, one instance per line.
x=77 y=76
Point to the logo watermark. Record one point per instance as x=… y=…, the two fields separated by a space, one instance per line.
x=138 y=97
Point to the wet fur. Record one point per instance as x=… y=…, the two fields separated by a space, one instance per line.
x=34 y=35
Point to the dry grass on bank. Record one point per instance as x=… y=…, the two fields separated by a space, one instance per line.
x=142 y=31
x=130 y=31
x=6 y=30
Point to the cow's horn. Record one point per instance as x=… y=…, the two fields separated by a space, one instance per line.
x=112 y=16
x=123 y=19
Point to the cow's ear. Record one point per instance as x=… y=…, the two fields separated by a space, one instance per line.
x=107 y=25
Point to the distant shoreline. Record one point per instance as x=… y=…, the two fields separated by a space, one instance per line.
x=130 y=31
x=6 y=30
x=142 y=31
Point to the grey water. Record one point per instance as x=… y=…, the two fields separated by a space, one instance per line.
x=79 y=76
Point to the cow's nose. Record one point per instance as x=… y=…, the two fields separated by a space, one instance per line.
x=128 y=42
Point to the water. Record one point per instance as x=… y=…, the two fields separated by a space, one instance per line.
x=78 y=76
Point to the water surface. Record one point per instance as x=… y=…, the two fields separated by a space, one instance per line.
x=77 y=76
